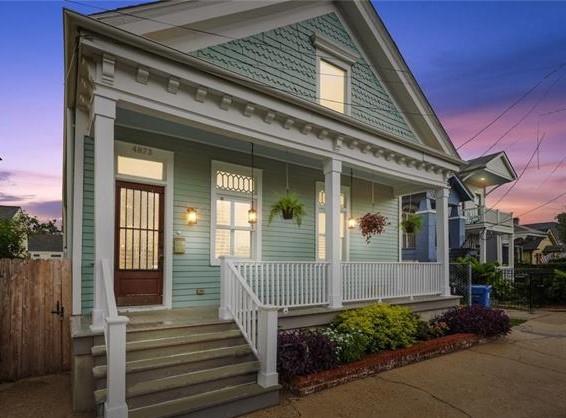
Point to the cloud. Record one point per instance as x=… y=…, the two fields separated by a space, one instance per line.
x=5 y=175
x=6 y=197
x=51 y=209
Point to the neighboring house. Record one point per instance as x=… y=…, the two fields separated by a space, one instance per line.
x=537 y=243
x=474 y=228
x=178 y=143
x=10 y=212
x=45 y=246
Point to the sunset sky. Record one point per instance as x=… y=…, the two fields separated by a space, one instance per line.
x=473 y=60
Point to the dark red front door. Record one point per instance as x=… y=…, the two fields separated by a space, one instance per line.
x=138 y=278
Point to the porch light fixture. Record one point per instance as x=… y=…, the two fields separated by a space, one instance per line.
x=252 y=214
x=351 y=220
x=191 y=216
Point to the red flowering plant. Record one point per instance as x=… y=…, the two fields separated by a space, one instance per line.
x=372 y=224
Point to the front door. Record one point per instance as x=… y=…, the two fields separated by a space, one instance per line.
x=138 y=271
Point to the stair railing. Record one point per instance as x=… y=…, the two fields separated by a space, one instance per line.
x=257 y=321
x=115 y=340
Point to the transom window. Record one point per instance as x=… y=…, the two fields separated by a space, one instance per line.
x=321 y=221
x=232 y=191
x=138 y=167
x=332 y=86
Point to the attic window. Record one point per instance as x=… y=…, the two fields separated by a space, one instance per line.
x=332 y=86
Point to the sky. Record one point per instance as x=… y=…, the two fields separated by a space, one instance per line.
x=472 y=59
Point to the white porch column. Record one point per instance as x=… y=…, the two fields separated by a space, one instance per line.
x=443 y=246
x=511 y=250
x=332 y=170
x=103 y=115
x=483 y=246
x=499 y=251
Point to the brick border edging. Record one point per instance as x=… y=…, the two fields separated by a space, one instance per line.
x=379 y=362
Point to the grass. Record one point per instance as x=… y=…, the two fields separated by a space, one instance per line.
x=517 y=321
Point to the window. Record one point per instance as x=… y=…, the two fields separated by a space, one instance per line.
x=140 y=168
x=321 y=221
x=231 y=199
x=332 y=86
x=409 y=238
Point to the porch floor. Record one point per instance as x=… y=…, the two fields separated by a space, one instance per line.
x=427 y=306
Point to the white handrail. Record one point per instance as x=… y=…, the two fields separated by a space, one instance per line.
x=115 y=341
x=286 y=284
x=365 y=281
x=257 y=321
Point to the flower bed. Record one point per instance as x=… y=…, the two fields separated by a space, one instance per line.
x=379 y=362
x=375 y=338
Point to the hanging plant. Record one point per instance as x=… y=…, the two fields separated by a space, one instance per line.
x=372 y=224
x=288 y=207
x=412 y=223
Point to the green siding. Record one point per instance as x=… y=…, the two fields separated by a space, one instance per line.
x=282 y=240
x=285 y=59
x=87 y=263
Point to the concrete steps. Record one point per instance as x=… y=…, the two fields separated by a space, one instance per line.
x=186 y=370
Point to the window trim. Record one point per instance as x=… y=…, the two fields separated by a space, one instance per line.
x=319 y=186
x=256 y=250
x=333 y=60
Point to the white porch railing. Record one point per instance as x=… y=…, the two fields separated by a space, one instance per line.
x=115 y=340
x=508 y=273
x=287 y=284
x=481 y=214
x=257 y=321
x=378 y=281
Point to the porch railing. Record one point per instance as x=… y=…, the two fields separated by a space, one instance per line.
x=115 y=340
x=508 y=273
x=256 y=320
x=481 y=214
x=287 y=284
x=378 y=281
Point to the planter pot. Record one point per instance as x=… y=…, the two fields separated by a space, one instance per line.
x=287 y=214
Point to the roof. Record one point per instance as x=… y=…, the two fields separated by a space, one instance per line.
x=8 y=212
x=532 y=243
x=547 y=226
x=45 y=242
x=458 y=185
x=524 y=229
x=489 y=170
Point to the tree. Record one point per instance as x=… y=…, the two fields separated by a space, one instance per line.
x=33 y=225
x=12 y=238
x=561 y=218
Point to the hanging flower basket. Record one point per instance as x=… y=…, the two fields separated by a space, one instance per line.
x=372 y=224
x=288 y=207
x=412 y=223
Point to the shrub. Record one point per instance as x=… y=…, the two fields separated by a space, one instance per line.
x=428 y=330
x=350 y=346
x=476 y=319
x=301 y=352
x=386 y=327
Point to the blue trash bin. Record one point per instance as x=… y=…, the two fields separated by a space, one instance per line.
x=481 y=294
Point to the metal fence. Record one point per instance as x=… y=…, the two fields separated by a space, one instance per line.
x=461 y=282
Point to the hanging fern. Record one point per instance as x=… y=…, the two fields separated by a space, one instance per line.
x=288 y=207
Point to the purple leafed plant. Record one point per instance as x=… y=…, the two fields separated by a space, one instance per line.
x=300 y=352
x=476 y=319
x=372 y=224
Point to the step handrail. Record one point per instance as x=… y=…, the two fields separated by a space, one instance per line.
x=257 y=321
x=115 y=340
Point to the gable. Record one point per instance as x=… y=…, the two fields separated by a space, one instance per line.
x=286 y=59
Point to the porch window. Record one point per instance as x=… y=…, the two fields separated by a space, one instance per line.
x=321 y=221
x=409 y=238
x=233 y=188
x=332 y=86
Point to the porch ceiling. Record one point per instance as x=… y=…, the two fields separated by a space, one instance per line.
x=131 y=120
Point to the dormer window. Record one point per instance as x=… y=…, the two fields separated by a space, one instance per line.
x=332 y=85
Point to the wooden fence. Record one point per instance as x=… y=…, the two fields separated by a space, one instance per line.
x=35 y=307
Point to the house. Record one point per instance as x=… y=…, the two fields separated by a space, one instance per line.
x=186 y=122
x=45 y=246
x=536 y=243
x=474 y=229
x=10 y=212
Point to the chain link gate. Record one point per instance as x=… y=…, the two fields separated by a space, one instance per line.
x=461 y=282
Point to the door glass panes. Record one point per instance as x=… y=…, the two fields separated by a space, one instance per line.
x=241 y=213
x=332 y=86
x=222 y=242
x=138 y=229
x=223 y=212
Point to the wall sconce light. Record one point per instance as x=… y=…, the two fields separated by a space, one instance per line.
x=252 y=216
x=352 y=222
x=191 y=216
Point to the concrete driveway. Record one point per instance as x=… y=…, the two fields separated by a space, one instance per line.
x=523 y=375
